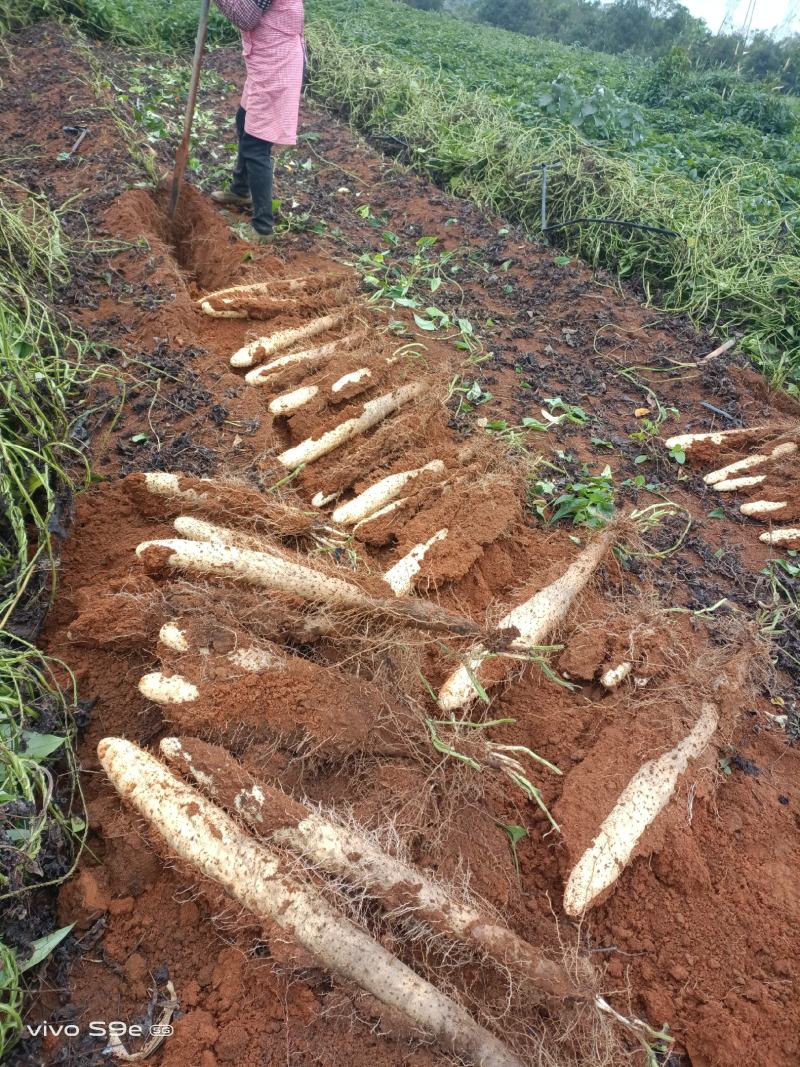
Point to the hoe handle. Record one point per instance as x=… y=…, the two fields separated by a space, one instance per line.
x=183 y=147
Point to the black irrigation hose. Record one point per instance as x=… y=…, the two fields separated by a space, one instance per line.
x=544 y=168
x=612 y=222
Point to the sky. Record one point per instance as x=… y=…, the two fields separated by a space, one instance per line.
x=768 y=13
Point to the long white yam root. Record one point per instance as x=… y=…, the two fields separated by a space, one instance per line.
x=756 y=508
x=400 y=577
x=316 y=356
x=375 y=411
x=381 y=513
x=286 y=403
x=235 y=302
x=353 y=377
x=787 y=535
x=276 y=342
x=686 y=441
x=212 y=497
x=788 y=448
x=731 y=485
x=643 y=798
x=535 y=619
x=194 y=529
x=202 y=835
x=298 y=398
x=270 y=571
x=381 y=493
x=254 y=568
x=351 y=854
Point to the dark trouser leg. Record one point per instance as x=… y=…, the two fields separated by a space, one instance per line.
x=239 y=184
x=256 y=156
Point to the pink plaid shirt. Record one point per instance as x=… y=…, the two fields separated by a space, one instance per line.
x=274 y=55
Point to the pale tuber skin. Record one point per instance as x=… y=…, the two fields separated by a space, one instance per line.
x=207 y=839
x=275 y=288
x=535 y=619
x=271 y=571
x=749 y=463
x=731 y=485
x=249 y=658
x=321 y=354
x=615 y=676
x=380 y=494
x=374 y=412
x=755 y=508
x=353 y=377
x=286 y=403
x=276 y=342
x=714 y=437
x=641 y=801
x=400 y=577
x=163 y=689
x=351 y=854
x=787 y=535
x=381 y=512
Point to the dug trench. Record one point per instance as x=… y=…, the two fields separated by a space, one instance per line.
x=697 y=932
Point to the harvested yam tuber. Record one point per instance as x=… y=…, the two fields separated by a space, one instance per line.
x=374 y=411
x=277 y=342
x=731 y=485
x=788 y=535
x=534 y=620
x=615 y=676
x=167 y=689
x=644 y=798
x=282 y=574
x=203 y=836
x=400 y=576
x=751 y=462
x=381 y=493
x=286 y=403
x=209 y=496
x=353 y=377
x=256 y=298
x=315 y=356
x=756 y=508
x=719 y=438
x=351 y=854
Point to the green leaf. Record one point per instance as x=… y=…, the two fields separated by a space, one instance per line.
x=139 y=438
x=515 y=832
x=562 y=261
x=678 y=454
x=39 y=746
x=424 y=324
x=43 y=946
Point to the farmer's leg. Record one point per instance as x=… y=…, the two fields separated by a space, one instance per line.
x=239 y=184
x=238 y=194
x=257 y=156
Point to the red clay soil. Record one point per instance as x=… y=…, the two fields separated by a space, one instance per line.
x=700 y=931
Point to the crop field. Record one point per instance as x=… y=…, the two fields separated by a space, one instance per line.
x=399 y=627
